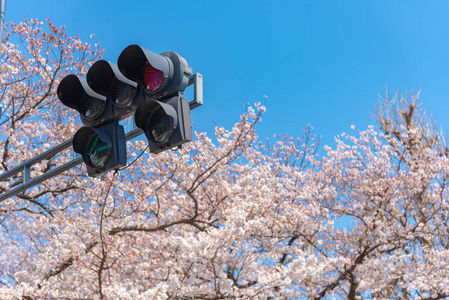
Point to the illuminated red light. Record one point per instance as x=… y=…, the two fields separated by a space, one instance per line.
x=152 y=77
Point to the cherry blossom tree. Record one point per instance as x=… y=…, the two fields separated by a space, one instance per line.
x=224 y=217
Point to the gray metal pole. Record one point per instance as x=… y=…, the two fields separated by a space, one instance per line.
x=2 y=18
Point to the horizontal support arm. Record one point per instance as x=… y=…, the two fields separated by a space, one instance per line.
x=46 y=155
x=76 y=161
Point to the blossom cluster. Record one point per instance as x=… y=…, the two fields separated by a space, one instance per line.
x=224 y=217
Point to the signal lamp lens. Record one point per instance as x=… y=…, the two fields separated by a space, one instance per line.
x=91 y=107
x=152 y=77
x=160 y=126
x=98 y=152
x=122 y=93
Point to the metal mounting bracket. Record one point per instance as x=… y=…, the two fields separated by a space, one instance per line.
x=197 y=81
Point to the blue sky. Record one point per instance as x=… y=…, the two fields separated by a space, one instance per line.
x=322 y=63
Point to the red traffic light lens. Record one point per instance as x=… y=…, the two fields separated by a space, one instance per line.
x=152 y=77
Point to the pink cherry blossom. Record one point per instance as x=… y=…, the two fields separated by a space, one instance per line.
x=229 y=216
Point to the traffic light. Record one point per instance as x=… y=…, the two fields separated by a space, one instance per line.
x=102 y=148
x=105 y=78
x=94 y=109
x=101 y=142
x=166 y=124
x=145 y=84
x=164 y=115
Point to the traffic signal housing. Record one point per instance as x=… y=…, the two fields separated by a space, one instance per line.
x=94 y=109
x=102 y=148
x=164 y=115
x=160 y=75
x=165 y=124
x=101 y=142
x=124 y=94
